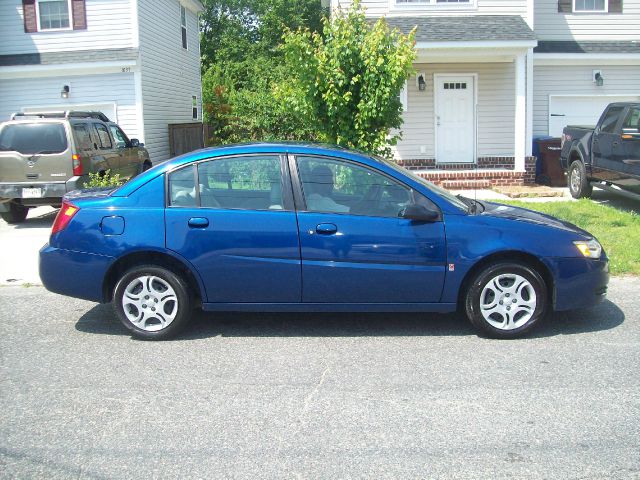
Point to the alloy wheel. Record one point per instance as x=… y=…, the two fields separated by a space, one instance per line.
x=150 y=303
x=508 y=301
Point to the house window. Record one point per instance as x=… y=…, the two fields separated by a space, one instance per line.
x=183 y=26
x=194 y=107
x=590 y=5
x=54 y=14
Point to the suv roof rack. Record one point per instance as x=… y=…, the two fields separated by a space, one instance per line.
x=64 y=114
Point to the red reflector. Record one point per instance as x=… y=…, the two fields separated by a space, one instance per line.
x=77 y=164
x=66 y=213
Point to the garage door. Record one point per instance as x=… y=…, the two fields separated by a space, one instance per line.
x=579 y=110
x=109 y=109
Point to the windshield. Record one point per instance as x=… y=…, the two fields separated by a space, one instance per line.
x=435 y=189
x=33 y=138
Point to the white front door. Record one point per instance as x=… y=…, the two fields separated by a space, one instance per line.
x=455 y=118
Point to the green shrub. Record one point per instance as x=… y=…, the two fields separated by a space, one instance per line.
x=103 y=179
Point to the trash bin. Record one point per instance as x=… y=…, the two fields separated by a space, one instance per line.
x=535 y=151
x=551 y=172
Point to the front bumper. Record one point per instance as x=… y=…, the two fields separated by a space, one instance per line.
x=75 y=274
x=579 y=282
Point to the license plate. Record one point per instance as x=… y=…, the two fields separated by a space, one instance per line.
x=31 y=193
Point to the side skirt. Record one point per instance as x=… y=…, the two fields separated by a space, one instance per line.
x=330 y=307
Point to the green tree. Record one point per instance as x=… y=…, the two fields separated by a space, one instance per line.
x=351 y=75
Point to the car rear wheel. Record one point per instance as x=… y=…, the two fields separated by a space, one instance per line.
x=506 y=300
x=577 y=180
x=152 y=302
x=17 y=213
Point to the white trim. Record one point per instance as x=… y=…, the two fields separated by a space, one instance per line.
x=530 y=14
x=432 y=5
x=69 y=11
x=404 y=96
x=606 y=8
x=436 y=76
x=529 y=130
x=135 y=27
x=520 y=119
x=88 y=68
x=137 y=82
x=540 y=59
x=490 y=44
x=193 y=5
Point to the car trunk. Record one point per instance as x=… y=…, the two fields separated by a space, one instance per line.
x=32 y=153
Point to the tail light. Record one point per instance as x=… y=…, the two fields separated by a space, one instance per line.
x=66 y=213
x=77 y=164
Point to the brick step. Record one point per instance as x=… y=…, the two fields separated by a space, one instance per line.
x=465 y=184
x=486 y=173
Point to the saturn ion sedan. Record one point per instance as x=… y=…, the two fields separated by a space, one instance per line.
x=292 y=227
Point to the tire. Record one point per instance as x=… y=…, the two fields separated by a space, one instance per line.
x=577 y=180
x=487 y=296
x=17 y=213
x=140 y=296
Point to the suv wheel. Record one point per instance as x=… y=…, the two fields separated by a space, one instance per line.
x=17 y=213
x=506 y=300
x=577 y=180
x=152 y=302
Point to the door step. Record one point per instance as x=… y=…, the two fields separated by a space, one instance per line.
x=477 y=178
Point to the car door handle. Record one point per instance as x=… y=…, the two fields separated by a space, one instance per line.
x=326 y=228
x=615 y=144
x=198 y=222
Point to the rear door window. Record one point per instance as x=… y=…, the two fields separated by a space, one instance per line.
x=34 y=138
x=83 y=138
x=103 y=136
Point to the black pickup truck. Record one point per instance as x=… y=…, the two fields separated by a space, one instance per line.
x=606 y=156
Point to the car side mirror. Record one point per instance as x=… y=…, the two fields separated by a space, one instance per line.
x=419 y=213
x=134 y=142
x=630 y=134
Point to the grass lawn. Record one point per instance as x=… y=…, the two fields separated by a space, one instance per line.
x=618 y=231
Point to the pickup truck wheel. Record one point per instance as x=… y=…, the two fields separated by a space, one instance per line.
x=17 y=213
x=577 y=180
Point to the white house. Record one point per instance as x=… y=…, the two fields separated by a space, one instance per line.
x=492 y=74
x=138 y=61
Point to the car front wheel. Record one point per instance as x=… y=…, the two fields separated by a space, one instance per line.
x=152 y=302
x=506 y=300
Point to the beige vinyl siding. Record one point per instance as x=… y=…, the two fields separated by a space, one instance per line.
x=170 y=74
x=576 y=80
x=109 y=25
x=495 y=111
x=377 y=8
x=551 y=25
x=115 y=88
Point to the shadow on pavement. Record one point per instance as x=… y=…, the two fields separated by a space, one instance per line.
x=44 y=220
x=616 y=201
x=102 y=320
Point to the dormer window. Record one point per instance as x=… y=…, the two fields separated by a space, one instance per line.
x=54 y=14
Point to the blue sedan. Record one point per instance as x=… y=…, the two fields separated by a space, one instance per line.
x=288 y=227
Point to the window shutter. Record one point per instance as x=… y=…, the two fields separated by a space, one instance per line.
x=79 y=14
x=615 y=6
x=565 y=6
x=29 y=12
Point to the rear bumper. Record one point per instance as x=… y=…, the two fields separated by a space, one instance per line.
x=579 y=282
x=52 y=192
x=75 y=274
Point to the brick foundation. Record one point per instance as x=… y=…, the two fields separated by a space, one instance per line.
x=487 y=172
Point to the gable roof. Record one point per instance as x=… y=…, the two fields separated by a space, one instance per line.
x=464 y=28
x=72 y=56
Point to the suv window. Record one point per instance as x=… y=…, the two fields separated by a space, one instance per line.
x=103 y=135
x=83 y=138
x=342 y=187
x=32 y=138
x=121 y=139
x=611 y=120
x=246 y=182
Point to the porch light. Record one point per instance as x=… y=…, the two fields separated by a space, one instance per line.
x=597 y=78
x=422 y=85
x=65 y=92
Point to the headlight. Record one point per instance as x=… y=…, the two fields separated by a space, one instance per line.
x=589 y=248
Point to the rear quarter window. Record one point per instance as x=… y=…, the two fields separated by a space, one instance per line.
x=34 y=138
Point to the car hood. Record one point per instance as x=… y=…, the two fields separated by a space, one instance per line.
x=524 y=215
